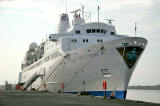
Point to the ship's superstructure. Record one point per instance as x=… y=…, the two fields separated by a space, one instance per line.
x=80 y=57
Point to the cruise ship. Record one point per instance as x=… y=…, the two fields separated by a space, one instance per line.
x=82 y=56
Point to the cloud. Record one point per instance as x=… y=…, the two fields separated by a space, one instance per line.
x=52 y=8
x=30 y=8
x=5 y=0
x=125 y=12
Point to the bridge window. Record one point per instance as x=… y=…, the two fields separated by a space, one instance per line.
x=93 y=30
x=105 y=31
x=77 y=31
x=98 y=30
x=88 y=30
x=102 y=30
x=112 y=33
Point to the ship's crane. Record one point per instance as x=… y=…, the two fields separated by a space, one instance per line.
x=109 y=21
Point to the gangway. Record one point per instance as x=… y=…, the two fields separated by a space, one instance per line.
x=33 y=78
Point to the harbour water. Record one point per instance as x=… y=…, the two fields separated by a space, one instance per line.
x=144 y=95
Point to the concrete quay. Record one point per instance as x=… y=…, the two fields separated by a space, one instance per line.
x=35 y=98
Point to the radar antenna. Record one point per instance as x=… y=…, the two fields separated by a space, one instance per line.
x=109 y=21
x=76 y=11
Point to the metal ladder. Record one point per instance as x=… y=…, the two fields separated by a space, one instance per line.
x=33 y=78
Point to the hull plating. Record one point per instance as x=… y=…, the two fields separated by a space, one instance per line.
x=87 y=68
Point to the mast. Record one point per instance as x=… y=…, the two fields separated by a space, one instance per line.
x=66 y=6
x=83 y=12
x=98 y=13
x=135 y=29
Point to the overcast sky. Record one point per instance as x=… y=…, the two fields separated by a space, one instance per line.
x=26 y=21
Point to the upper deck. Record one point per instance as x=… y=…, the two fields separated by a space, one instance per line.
x=70 y=37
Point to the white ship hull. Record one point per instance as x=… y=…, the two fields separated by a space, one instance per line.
x=85 y=69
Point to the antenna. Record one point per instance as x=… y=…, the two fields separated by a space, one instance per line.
x=109 y=21
x=98 y=13
x=135 y=29
x=83 y=12
x=66 y=6
x=90 y=16
x=98 y=9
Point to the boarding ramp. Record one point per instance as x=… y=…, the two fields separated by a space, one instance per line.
x=33 y=78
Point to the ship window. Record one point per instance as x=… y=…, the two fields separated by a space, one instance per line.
x=93 y=30
x=64 y=18
x=77 y=32
x=88 y=30
x=112 y=33
x=98 y=30
x=85 y=40
x=99 y=40
x=74 y=40
x=102 y=30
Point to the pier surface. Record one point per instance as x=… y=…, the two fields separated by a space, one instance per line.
x=35 y=98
